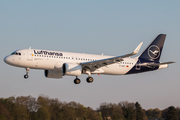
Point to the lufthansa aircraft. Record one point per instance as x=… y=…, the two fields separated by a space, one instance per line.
x=57 y=63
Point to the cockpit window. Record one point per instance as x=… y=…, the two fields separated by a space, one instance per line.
x=16 y=53
x=13 y=53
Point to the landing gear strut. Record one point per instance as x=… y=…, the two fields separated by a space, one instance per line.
x=77 y=80
x=27 y=71
x=89 y=79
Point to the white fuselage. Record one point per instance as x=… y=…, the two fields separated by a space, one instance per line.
x=47 y=60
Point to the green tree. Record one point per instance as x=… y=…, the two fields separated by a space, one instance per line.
x=171 y=113
x=128 y=110
x=81 y=112
x=43 y=113
x=100 y=116
x=144 y=114
x=139 y=113
x=20 y=109
x=55 y=107
x=43 y=108
x=116 y=112
x=92 y=115
x=178 y=112
x=67 y=113
x=105 y=110
x=9 y=104
x=4 y=113
x=154 y=113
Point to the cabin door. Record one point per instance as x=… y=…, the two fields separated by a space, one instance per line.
x=30 y=54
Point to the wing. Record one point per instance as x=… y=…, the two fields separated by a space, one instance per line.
x=93 y=65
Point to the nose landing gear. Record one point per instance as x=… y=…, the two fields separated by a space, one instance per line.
x=27 y=71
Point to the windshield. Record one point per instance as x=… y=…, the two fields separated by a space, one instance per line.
x=16 y=53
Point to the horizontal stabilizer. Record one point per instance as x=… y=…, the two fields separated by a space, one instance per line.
x=155 y=64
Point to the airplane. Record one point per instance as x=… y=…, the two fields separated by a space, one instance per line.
x=57 y=64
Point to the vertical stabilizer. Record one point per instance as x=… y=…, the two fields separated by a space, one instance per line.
x=153 y=51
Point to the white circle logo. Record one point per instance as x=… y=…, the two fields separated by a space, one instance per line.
x=154 y=52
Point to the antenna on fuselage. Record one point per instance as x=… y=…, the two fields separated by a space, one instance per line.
x=29 y=47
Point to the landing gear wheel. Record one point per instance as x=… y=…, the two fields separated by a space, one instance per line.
x=89 y=79
x=26 y=76
x=77 y=81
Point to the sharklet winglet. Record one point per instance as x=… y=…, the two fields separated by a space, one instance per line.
x=137 y=49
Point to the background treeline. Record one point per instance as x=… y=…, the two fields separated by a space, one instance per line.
x=45 y=108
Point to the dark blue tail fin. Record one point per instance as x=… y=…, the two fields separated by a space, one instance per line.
x=153 y=51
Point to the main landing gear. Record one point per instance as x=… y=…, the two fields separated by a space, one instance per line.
x=77 y=80
x=27 y=71
x=89 y=78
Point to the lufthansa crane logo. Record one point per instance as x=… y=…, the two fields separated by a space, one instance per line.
x=154 y=52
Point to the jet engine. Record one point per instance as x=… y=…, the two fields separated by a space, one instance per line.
x=71 y=69
x=53 y=73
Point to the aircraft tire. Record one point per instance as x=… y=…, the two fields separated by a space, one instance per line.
x=26 y=76
x=89 y=79
x=77 y=81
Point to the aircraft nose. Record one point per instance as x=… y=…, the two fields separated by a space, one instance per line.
x=7 y=60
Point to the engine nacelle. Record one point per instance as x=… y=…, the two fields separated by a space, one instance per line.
x=53 y=73
x=71 y=69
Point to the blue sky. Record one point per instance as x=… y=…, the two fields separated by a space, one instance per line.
x=109 y=27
